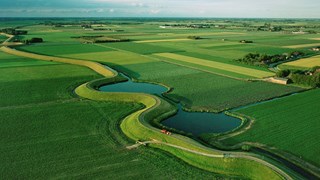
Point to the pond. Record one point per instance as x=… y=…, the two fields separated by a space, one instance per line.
x=196 y=123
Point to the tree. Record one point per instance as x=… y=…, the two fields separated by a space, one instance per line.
x=283 y=73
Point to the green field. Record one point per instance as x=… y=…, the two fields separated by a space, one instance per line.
x=54 y=128
x=204 y=91
x=58 y=49
x=7 y=60
x=43 y=123
x=217 y=65
x=284 y=123
x=141 y=48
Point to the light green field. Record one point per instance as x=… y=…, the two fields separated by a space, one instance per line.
x=217 y=65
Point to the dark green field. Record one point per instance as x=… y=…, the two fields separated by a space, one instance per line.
x=284 y=123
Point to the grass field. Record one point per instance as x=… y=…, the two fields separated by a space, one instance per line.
x=56 y=50
x=140 y=48
x=162 y=40
x=306 y=62
x=284 y=123
x=217 y=65
x=111 y=57
x=7 y=60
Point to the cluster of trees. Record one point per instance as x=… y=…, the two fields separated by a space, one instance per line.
x=99 y=39
x=258 y=59
x=33 y=40
x=307 y=78
x=13 y=31
x=269 y=27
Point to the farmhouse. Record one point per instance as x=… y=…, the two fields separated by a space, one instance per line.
x=278 y=80
x=316 y=49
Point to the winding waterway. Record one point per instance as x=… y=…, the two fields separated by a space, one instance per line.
x=199 y=123
x=190 y=122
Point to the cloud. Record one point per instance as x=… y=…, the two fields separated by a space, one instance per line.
x=163 y=8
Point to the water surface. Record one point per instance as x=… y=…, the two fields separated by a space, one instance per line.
x=190 y=122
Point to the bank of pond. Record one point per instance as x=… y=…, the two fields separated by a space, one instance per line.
x=196 y=123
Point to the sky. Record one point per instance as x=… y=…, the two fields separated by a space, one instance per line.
x=161 y=8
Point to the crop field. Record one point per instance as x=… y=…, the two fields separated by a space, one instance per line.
x=302 y=45
x=141 y=48
x=162 y=40
x=208 y=92
x=284 y=123
x=306 y=62
x=56 y=124
x=58 y=49
x=217 y=65
x=44 y=124
x=112 y=57
x=7 y=60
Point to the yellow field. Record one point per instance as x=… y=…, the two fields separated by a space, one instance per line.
x=318 y=39
x=162 y=40
x=307 y=62
x=218 y=65
x=302 y=45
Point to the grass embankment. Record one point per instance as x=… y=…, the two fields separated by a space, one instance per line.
x=289 y=126
x=135 y=128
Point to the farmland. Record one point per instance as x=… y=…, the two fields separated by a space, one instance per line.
x=217 y=65
x=47 y=125
x=275 y=122
x=48 y=88
x=305 y=63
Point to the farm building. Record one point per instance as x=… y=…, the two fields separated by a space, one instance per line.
x=316 y=49
x=278 y=80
